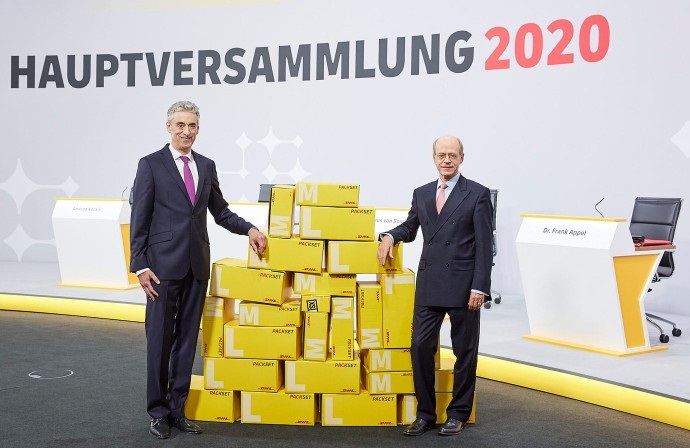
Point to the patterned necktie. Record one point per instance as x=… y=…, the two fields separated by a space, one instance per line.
x=188 y=179
x=441 y=199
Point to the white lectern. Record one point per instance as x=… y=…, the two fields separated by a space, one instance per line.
x=584 y=283
x=92 y=239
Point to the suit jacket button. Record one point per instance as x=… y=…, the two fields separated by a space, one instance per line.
x=447 y=243
x=447 y=265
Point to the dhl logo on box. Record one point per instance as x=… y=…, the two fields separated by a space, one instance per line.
x=325 y=194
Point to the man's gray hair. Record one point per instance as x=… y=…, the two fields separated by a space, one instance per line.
x=180 y=106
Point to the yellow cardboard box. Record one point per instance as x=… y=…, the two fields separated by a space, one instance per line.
x=288 y=314
x=337 y=223
x=389 y=382
x=217 y=312
x=325 y=194
x=358 y=410
x=279 y=408
x=369 y=317
x=315 y=336
x=342 y=325
x=316 y=303
x=407 y=408
x=443 y=375
x=281 y=211
x=264 y=375
x=242 y=341
x=237 y=281
x=328 y=377
x=289 y=254
x=324 y=284
x=211 y=405
x=387 y=359
x=397 y=292
x=359 y=257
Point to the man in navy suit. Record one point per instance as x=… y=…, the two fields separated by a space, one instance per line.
x=453 y=278
x=170 y=253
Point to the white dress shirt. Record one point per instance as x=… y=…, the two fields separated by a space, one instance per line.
x=180 y=165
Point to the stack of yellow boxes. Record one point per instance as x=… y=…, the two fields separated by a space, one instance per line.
x=292 y=354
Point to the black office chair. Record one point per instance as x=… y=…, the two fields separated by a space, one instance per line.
x=265 y=193
x=656 y=218
x=494 y=201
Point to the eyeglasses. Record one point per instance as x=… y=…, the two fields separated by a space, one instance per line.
x=451 y=156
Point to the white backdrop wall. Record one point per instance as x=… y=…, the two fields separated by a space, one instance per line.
x=84 y=98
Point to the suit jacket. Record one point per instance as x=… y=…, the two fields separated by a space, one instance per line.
x=457 y=254
x=168 y=234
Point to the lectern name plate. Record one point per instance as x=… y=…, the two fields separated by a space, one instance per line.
x=566 y=231
x=88 y=209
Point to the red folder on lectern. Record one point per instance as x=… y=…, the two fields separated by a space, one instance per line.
x=648 y=242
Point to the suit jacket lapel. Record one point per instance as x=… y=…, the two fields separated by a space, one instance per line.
x=170 y=165
x=201 y=171
x=459 y=193
x=429 y=196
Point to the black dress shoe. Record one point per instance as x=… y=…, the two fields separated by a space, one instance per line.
x=451 y=427
x=160 y=428
x=418 y=427
x=185 y=425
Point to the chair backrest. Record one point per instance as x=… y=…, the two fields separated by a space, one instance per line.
x=265 y=193
x=494 y=201
x=656 y=218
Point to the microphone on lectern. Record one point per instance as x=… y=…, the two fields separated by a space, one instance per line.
x=595 y=207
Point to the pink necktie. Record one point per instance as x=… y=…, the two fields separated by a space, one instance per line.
x=441 y=197
x=188 y=179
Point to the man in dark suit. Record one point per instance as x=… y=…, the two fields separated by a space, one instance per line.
x=173 y=189
x=453 y=278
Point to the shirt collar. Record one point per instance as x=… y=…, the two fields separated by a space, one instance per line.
x=451 y=183
x=176 y=154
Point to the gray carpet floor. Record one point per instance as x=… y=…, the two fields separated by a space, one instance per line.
x=102 y=403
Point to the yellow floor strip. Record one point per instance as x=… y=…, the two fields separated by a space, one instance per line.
x=73 y=307
x=644 y=404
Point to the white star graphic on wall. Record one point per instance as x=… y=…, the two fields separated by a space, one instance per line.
x=19 y=186
x=270 y=141
x=19 y=241
x=682 y=139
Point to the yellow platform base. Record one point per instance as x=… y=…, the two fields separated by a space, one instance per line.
x=594 y=349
